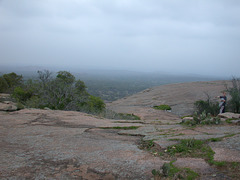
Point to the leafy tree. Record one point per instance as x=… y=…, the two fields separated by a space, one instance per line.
x=63 y=92
x=66 y=77
x=57 y=93
x=44 y=76
x=13 y=79
x=9 y=81
x=21 y=95
x=95 y=105
x=80 y=87
x=3 y=85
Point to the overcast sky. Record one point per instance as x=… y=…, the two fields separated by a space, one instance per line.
x=186 y=36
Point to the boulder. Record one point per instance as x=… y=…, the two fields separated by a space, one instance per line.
x=8 y=106
x=2 y=95
x=229 y=115
x=186 y=119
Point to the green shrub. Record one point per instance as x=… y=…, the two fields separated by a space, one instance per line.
x=173 y=172
x=94 y=105
x=185 y=146
x=33 y=102
x=21 y=95
x=207 y=106
x=9 y=81
x=148 y=144
x=3 y=85
x=63 y=92
x=162 y=107
x=20 y=106
x=203 y=119
x=234 y=91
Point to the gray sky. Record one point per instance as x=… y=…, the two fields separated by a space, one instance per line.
x=186 y=36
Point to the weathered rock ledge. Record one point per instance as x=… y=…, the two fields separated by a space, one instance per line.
x=46 y=144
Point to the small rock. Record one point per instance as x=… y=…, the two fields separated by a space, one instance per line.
x=7 y=102
x=188 y=118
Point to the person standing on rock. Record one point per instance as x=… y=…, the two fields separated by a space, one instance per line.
x=222 y=103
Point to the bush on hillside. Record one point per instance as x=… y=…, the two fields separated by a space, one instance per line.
x=203 y=119
x=207 y=106
x=234 y=91
x=162 y=107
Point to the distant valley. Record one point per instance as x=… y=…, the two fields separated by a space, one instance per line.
x=111 y=85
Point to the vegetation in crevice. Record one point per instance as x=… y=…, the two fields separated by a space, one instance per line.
x=124 y=127
x=168 y=170
x=202 y=119
x=162 y=107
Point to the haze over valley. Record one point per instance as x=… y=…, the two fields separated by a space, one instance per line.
x=111 y=85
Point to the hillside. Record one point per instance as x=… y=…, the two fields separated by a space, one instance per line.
x=180 y=96
x=48 y=144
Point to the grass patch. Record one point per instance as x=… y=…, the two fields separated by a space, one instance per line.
x=231 y=169
x=193 y=148
x=229 y=120
x=220 y=138
x=168 y=170
x=186 y=147
x=162 y=107
x=202 y=119
x=148 y=145
x=189 y=148
x=215 y=139
x=200 y=149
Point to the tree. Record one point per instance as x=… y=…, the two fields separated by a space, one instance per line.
x=21 y=94
x=3 y=85
x=63 y=92
x=95 y=104
x=66 y=77
x=9 y=81
x=44 y=76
